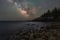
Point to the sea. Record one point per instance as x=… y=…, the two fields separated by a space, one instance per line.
x=11 y=26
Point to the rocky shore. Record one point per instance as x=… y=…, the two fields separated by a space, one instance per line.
x=44 y=33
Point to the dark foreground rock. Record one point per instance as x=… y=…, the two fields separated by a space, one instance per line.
x=51 y=32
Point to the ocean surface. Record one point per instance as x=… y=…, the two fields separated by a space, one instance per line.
x=11 y=26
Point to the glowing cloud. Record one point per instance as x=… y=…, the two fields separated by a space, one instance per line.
x=25 y=8
x=11 y=1
x=23 y=12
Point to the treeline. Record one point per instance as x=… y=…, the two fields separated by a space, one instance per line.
x=53 y=15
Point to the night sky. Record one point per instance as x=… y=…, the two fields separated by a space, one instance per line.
x=25 y=9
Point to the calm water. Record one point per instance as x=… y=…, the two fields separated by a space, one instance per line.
x=8 y=26
x=13 y=26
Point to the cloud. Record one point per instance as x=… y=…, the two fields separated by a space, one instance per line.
x=11 y=1
x=25 y=9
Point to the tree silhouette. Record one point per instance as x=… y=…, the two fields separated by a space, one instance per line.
x=53 y=15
